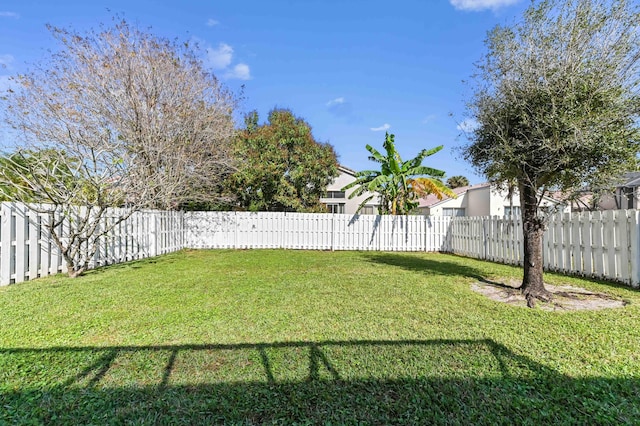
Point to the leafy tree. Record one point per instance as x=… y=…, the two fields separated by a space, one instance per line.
x=126 y=117
x=28 y=175
x=557 y=104
x=282 y=167
x=398 y=183
x=457 y=182
x=11 y=167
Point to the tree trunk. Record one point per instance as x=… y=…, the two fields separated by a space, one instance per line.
x=533 y=229
x=73 y=270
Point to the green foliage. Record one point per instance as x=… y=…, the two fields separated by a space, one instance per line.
x=33 y=176
x=115 y=116
x=12 y=184
x=398 y=183
x=457 y=181
x=302 y=337
x=557 y=97
x=557 y=107
x=282 y=167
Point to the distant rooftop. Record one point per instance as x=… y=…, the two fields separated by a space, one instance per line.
x=631 y=179
x=431 y=199
x=346 y=169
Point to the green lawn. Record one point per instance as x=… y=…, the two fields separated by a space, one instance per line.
x=286 y=337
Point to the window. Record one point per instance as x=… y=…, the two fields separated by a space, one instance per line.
x=335 y=194
x=335 y=208
x=452 y=211
x=369 y=210
x=629 y=194
x=508 y=211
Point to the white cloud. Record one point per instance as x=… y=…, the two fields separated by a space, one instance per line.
x=212 y=22
x=9 y=15
x=385 y=126
x=468 y=125
x=219 y=58
x=240 y=72
x=343 y=109
x=476 y=5
x=429 y=118
x=336 y=101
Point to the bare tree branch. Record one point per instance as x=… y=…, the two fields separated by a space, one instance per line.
x=116 y=117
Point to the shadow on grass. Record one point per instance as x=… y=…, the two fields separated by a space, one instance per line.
x=461 y=269
x=372 y=382
x=429 y=266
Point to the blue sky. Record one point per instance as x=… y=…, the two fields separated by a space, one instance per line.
x=351 y=68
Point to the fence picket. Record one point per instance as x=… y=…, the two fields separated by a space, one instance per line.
x=34 y=246
x=6 y=252
x=594 y=244
x=598 y=247
x=609 y=243
x=587 y=243
x=27 y=250
x=634 y=248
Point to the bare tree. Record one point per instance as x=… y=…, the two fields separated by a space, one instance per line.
x=557 y=106
x=127 y=118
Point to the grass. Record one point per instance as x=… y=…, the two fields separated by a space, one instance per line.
x=296 y=337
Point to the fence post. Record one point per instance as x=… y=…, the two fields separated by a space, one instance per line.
x=21 y=246
x=153 y=235
x=5 y=244
x=34 y=245
x=333 y=231
x=484 y=238
x=426 y=232
x=634 y=245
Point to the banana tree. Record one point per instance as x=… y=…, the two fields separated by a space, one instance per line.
x=399 y=184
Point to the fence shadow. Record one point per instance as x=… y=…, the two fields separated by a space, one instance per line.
x=372 y=382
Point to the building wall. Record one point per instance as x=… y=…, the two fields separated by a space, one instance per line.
x=437 y=210
x=479 y=201
x=350 y=205
x=483 y=201
x=494 y=202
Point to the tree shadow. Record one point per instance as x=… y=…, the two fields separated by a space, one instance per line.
x=430 y=266
x=339 y=382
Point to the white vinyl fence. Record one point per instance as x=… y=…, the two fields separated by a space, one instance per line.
x=599 y=244
x=27 y=251
x=319 y=231
x=593 y=244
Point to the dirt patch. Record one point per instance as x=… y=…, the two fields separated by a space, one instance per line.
x=565 y=298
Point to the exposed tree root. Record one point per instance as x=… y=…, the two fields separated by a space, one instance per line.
x=561 y=298
x=533 y=296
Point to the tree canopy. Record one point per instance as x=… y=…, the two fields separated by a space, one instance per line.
x=126 y=117
x=398 y=183
x=281 y=165
x=27 y=176
x=457 y=181
x=556 y=101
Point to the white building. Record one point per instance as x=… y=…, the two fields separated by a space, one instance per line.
x=337 y=200
x=479 y=200
x=625 y=196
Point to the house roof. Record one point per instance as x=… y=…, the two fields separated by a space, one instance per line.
x=346 y=170
x=432 y=200
x=631 y=179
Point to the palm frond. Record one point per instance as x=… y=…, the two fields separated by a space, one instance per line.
x=425 y=186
